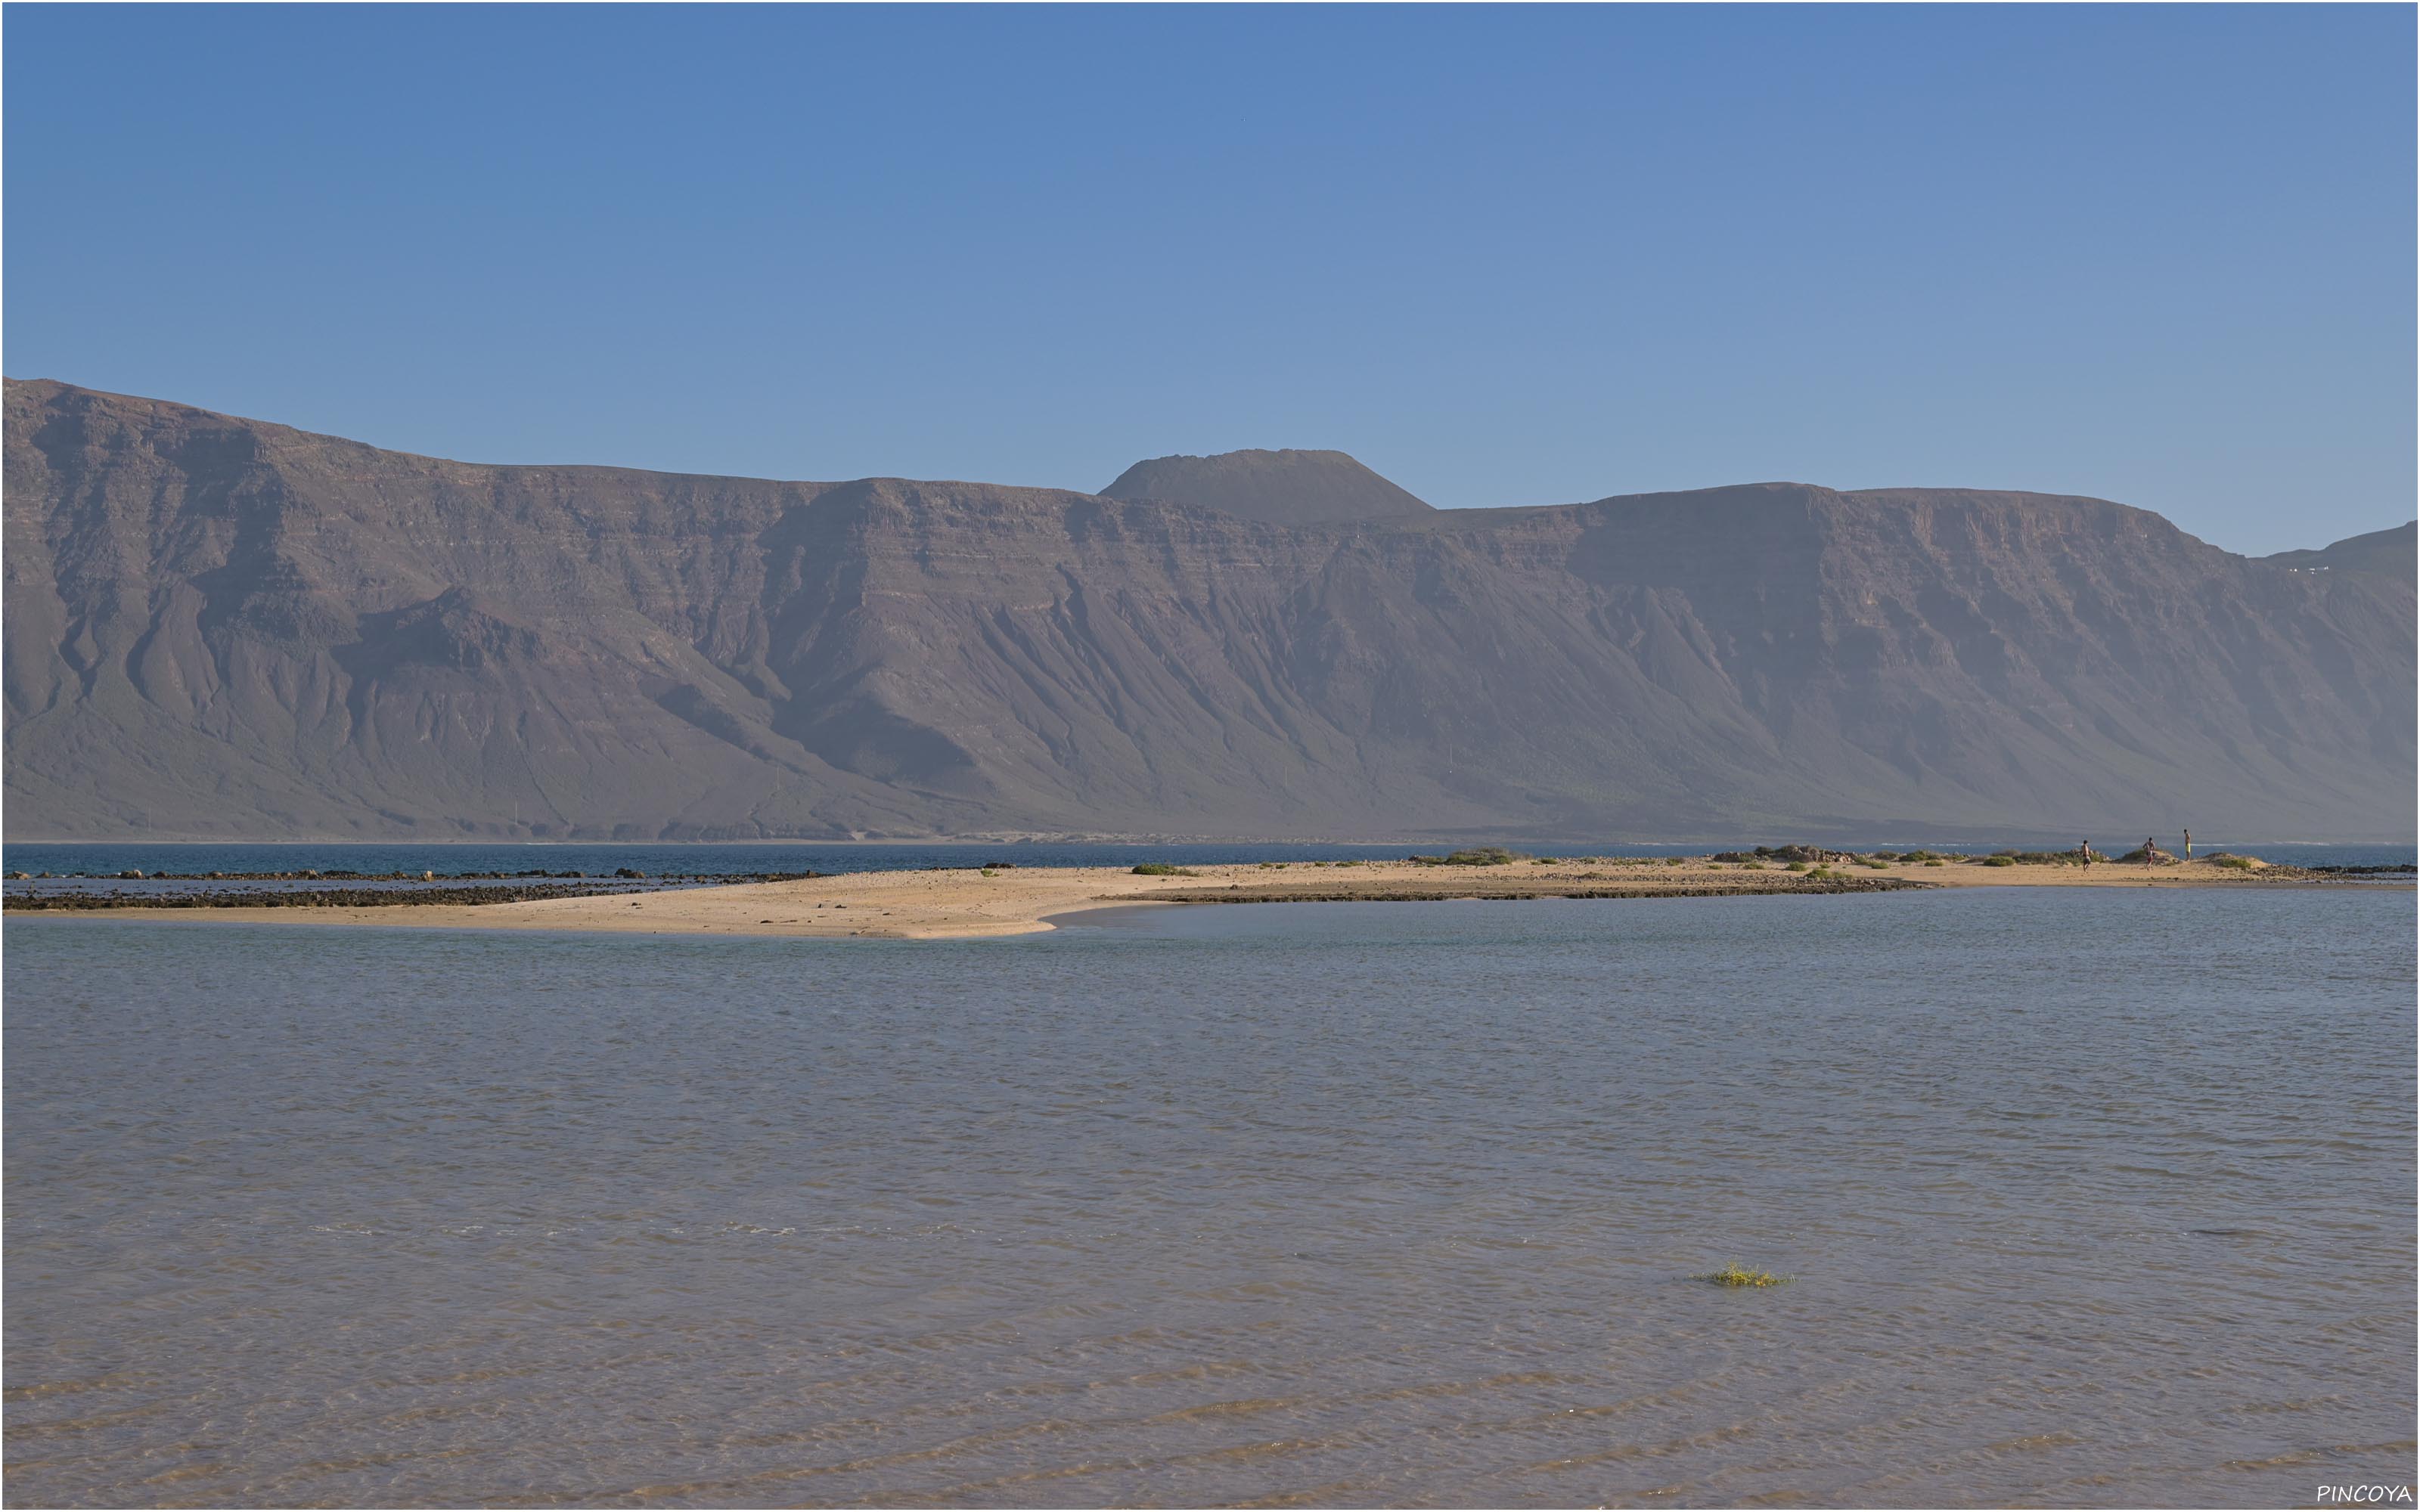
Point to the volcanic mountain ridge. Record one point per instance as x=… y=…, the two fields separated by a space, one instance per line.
x=220 y=628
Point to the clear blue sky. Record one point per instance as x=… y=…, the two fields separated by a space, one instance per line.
x=2161 y=255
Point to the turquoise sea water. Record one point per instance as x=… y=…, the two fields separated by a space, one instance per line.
x=2086 y=1198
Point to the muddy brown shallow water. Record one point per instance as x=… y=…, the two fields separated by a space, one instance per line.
x=2087 y=1197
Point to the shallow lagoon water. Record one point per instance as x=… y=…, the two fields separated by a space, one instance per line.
x=2087 y=1197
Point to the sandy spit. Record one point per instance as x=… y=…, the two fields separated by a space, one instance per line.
x=965 y=904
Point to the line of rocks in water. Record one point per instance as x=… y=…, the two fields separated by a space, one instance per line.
x=315 y=898
x=402 y=897
x=622 y=873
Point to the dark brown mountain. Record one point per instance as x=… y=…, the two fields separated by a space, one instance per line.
x=220 y=628
x=1285 y=488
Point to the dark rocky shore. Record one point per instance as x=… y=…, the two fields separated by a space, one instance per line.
x=394 y=889
x=312 y=897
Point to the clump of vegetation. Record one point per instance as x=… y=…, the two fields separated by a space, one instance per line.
x=1935 y=860
x=1477 y=856
x=989 y=872
x=1544 y=860
x=2032 y=858
x=1752 y=866
x=2235 y=863
x=1736 y=1274
x=1878 y=866
x=1796 y=866
x=1158 y=869
x=1676 y=860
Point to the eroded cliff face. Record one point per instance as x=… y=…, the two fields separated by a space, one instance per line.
x=216 y=626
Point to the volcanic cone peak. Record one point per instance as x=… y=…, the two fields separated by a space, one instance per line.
x=1290 y=488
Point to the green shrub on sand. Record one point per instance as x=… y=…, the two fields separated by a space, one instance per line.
x=1476 y=856
x=2000 y=861
x=1158 y=869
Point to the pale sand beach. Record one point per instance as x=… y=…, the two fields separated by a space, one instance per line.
x=966 y=903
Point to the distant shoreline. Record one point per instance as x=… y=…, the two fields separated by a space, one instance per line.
x=971 y=903
x=1960 y=842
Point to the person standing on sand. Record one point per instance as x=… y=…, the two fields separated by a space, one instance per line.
x=2085 y=851
x=2188 y=844
x=2151 y=848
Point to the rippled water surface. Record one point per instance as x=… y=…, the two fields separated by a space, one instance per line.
x=2087 y=1197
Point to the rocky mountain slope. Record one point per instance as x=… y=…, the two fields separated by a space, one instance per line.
x=220 y=627
x=2396 y=553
